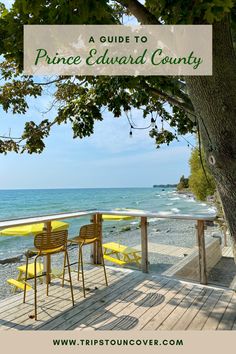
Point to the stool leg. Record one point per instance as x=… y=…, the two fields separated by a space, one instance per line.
x=35 y=289
x=69 y=273
x=82 y=268
x=103 y=263
x=78 y=262
x=48 y=281
x=26 y=275
x=63 y=274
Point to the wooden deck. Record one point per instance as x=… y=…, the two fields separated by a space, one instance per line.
x=227 y=252
x=177 y=251
x=133 y=300
x=169 y=250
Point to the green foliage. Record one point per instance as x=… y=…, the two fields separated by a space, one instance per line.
x=42 y=12
x=183 y=183
x=81 y=100
x=162 y=137
x=200 y=184
x=216 y=10
x=189 y=12
x=8 y=145
x=34 y=135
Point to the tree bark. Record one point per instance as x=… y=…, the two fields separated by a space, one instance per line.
x=140 y=12
x=214 y=101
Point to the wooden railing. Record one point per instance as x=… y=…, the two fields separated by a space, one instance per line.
x=96 y=216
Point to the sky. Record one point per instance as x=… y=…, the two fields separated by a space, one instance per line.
x=109 y=158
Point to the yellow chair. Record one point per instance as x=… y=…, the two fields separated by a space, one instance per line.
x=88 y=235
x=45 y=246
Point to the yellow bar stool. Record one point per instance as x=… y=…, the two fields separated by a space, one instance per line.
x=44 y=246
x=88 y=235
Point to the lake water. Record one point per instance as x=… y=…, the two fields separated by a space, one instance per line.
x=24 y=203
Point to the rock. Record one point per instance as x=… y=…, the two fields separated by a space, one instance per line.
x=125 y=228
x=11 y=260
x=209 y=223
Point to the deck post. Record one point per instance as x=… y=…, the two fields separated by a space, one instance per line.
x=202 y=252
x=95 y=251
x=144 y=244
x=47 y=264
x=93 y=246
x=98 y=248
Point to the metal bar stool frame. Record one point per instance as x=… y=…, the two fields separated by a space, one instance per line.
x=44 y=246
x=88 y=235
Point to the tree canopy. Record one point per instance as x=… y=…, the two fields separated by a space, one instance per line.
x=81 y=100
x=183 y=183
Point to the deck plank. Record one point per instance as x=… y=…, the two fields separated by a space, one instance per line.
x=53 y=307
x=227 y=320
x=156 y=317
x=55 y=288
x=179 y=311
x=145 y=312
x=218 y=311
x=133 y=300
x=131 y=309
x=234 y=325
x=202 y=316
x=227 y=252
x=58 y=297
x=71 y=319
x=9 y=303
x=192 y=311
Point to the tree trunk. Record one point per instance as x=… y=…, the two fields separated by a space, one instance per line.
x=214 y=100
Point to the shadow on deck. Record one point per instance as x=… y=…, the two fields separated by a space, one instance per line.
x=132 y=300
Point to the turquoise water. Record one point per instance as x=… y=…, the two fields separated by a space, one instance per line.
x=21 y=203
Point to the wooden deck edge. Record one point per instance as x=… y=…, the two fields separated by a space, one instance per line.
x=212 y=244
x=195 y=283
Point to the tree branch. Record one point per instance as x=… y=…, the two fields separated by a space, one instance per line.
x=188 y=108
x=57 y=80
x=9 y=137
x=49 y=82
x=140 y=12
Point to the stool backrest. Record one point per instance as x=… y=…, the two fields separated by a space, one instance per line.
x=56 y=239
x=90 y=231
